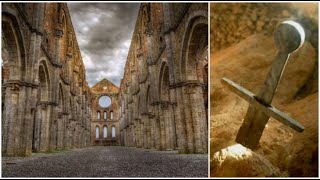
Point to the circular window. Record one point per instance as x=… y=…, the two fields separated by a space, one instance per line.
x=104 y=101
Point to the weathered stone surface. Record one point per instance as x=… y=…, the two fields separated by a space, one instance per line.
x=105 y=117
x=162 y=100
x=46 y=99
x=163 y=94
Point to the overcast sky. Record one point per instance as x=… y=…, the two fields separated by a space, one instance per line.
x=104 y=32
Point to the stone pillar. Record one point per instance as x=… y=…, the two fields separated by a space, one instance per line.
x=59 y=132
x=157 y=134
x=168 y=120
x=180 y=123
x=12 y=97
x=36 y=138
x=30 y=117
x=172 y=128
x=152 y=132
x=44 y=128
x=199 y=118
x=148 y=132
x=144 y=131
x=65 y=131
x=162 y=130
x=133 y=136
x=188 y=119
x=138 y=132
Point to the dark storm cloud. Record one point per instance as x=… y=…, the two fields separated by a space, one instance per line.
x=104 y=32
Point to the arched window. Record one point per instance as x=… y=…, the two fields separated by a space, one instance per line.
x=105 y=115
x=113 y=132
x=111 y=115
x=105 y=132
x=98 y=114
x=97 y=132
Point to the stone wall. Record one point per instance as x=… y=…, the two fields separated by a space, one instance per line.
x=45 y=96
x=107 y=116
x=163 y=102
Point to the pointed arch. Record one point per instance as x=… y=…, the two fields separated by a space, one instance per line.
x=13 y=49
x=44 y=81
x=111 y=115
x=113 y=132
x=97 y=132
x=105 y=115
x=98 y=115
x=61 y=99
x=164 y=82
x=105 y=132
x=195 y=41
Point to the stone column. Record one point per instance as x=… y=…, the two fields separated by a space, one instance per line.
x=12 y=97
x=144 y=131
x=188 y=119
x=162 y=129
x=198 y=117
x=142 y=136
x=180 y=123
x=44 y=128
x=59 y=132
x=152 y=132
x=20 y=128
x=157 y=134
x=30 y=119
x=138 y=132
x=148 y=132
x=172 y=128
x=65 y=131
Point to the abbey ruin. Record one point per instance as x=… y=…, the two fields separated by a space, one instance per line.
x=163 y=95
x=45 y=97
x=48 y=105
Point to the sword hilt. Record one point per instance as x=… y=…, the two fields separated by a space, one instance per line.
x=289 y=36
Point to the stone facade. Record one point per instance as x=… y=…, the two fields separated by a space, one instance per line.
x=105 y=119
x=163 y=94
x=45 y=97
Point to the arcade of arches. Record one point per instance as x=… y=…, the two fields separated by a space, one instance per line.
x=48 y=105
x=163 y=94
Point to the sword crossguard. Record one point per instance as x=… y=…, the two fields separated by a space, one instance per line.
x=289 y=36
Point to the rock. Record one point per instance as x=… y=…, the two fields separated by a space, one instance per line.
x=238 y=161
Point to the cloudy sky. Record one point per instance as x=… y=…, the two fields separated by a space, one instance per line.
x=104 y=33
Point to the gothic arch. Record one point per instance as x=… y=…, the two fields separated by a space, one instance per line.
x=41 y=125
x=13 y=52
x=164 y=82
x=105 y=131
x=113 y=131
x=98 y=115
x=148 y=100
x=195 y=42
x=97 y=134
x=61 y=99
x=44 y=81
x=111 y=115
